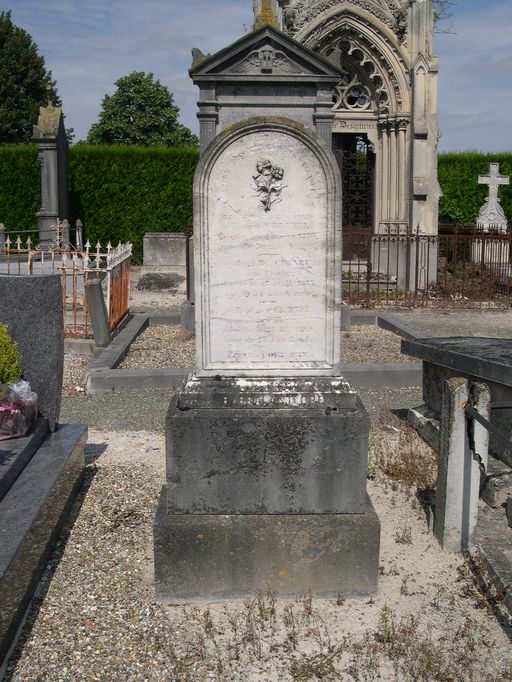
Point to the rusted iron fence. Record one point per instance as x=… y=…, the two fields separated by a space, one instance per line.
x=76 y=265
x=399 y=267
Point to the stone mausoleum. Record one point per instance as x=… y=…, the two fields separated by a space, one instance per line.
x=385 y=130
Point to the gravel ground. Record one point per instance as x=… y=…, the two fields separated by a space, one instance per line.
x=118 y=411
x=162 y=346
x=74 y=367
x=115 y=411
x=154 y=301
x=172 y=346
x=97 y=619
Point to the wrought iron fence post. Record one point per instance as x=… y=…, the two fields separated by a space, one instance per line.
x=417 y=263
x=369 y=269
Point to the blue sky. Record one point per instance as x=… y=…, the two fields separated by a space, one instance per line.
x=88 y=44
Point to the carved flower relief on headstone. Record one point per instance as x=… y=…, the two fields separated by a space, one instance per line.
x=268 y=183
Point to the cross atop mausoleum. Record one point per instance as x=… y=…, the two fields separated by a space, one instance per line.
x=491 y=214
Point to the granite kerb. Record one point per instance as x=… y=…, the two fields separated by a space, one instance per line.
x=31 y=516
x=102 y=374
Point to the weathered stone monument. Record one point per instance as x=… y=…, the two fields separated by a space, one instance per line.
x=52 y=148
x=266 y=442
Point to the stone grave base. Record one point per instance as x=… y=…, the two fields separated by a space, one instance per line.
x=32 y=512
x=266 y=486
x=208 y=557
x=266 y=446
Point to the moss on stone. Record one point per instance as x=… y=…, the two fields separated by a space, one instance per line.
x=266 y=120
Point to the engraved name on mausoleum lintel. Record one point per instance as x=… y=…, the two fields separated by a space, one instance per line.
x=268 y=183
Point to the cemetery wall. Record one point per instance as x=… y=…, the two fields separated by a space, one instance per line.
x=120 y=193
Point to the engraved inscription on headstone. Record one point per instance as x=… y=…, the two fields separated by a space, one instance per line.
x=267 y=272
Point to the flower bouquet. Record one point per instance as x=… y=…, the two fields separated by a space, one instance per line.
x=18 y=410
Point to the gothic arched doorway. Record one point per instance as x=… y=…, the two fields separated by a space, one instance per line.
x=356 y=160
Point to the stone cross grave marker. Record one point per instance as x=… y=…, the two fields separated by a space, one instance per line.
x=491 y=214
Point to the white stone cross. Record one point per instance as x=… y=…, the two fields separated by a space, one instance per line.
x=491 y=216
x=494 y=180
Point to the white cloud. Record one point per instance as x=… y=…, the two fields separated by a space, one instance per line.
x=88 y=44
x=475 y=98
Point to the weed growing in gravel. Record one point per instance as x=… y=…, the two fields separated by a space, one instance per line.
x=300 y=646
x=400 y=454
x=403 y=535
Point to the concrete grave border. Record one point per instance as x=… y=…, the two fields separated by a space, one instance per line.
x=102 y=373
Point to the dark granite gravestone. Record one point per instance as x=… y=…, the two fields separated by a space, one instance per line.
x=31 y=307
x=40 y=473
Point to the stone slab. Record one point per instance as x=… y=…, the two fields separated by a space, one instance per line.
x=435 y=375
x=383 y=375
x=98 y=312
x=267 y=461
x=426 y=422
x=360 y=376
x=396 y=325
x=31 y=307
x=188 y=316
x=166 y=249
x=486 y=358
x=215 y=557
x=98 y=381
x=266 y=392
x=493 y=552
x=115 y=352
x=31 y=515
x=497 y=485
x=15 y=454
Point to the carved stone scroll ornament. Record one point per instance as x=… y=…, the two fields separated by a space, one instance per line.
x=266 y=60
x=268 y=183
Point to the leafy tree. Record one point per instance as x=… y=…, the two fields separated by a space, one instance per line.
x=25 y=83
x=141 y=111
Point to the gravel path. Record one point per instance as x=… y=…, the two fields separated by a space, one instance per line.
x=172 y=346
x=96 y=618
x=98 y=621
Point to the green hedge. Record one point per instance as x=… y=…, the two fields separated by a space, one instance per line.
x=20 y=186
x=120 y=193
x=463 y=196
